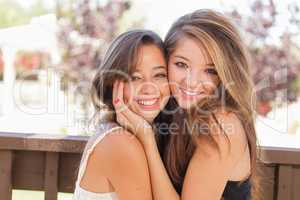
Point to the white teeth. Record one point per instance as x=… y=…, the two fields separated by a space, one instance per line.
x=147 y=103
x=189 y=93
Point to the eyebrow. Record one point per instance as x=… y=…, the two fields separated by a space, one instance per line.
x=210 y=64
x=184 y=58
x=155 y=68
x=160 y=67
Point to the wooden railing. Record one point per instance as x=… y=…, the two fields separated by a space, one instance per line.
x=50 y=163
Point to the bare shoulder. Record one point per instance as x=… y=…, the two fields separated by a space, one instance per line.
x=119 y=142
x=122 y=160
x=228 y=133
x=118 y=163
x=218 y=157
x=117 y=149
x=228 y=124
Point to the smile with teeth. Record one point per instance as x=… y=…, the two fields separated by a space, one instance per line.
x=190 y=93
x=152 y=103
x=147 y=102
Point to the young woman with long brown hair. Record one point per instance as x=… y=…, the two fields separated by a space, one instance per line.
x=114 y=164
x=209 y=152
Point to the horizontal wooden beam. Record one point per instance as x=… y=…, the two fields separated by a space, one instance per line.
x=289 y=156
x=42 y=142
x=76 y=144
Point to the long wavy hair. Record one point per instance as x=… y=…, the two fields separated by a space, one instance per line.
x=223 y=43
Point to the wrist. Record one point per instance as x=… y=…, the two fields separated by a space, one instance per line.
x=150 y=143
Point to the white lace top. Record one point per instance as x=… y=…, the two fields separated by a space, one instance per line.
x=80 y=193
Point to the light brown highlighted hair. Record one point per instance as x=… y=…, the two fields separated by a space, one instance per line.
x=225 y=46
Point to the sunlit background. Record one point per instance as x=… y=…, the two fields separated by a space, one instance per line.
x=49 y=51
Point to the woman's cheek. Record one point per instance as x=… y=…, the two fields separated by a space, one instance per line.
x=215 y=84
x=127 y=92
x=172 y=83
x=173 y=75
x=210 y=83
x=164 y=89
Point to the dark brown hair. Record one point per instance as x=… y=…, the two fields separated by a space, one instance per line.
x=119 y=61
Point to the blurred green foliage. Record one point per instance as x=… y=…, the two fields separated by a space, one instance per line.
x=12 y=13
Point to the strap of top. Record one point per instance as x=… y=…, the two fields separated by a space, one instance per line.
x=101 y=131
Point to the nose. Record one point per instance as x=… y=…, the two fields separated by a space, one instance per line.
x=193 y=79
x=148 y=88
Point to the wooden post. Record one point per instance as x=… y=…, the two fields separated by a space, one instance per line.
x=285 y=182
x=51 y=176
x=5 y=174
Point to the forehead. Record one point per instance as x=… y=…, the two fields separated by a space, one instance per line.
x=149 y=57
x=193 y=50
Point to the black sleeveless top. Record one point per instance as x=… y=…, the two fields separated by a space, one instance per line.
x=234 y=190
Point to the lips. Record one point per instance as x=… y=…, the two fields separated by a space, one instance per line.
x=148 y=104
x=189 y=92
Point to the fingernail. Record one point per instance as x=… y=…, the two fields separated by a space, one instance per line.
x=116 y=101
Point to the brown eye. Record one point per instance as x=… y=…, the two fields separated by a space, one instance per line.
x=181 y=65
x=135 y=78
x=211 y=71
x=161 y=75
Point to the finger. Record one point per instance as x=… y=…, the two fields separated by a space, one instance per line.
x=115 y=91
x=134 y=119
x=124 y=116
x=122 y=120
x=120 y=97
x=131 y=117
x=116 y=99
x=120 y=93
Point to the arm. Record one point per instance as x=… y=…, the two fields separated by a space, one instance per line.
x=208 y=170
x=161 y=185
x=120 y=159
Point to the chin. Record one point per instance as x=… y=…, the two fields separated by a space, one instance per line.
x=186 y=104
x=149 y=117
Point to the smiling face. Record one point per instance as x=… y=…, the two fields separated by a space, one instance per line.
x=148 y=90
x=192 y=74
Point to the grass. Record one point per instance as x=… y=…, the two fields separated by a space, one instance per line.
x=37 y=195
